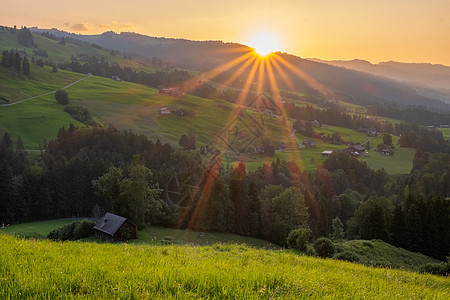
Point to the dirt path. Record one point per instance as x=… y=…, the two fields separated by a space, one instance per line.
x=52 y=92
x=370 y=139
x=293 y=135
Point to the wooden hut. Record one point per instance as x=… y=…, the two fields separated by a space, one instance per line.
x=113 y=228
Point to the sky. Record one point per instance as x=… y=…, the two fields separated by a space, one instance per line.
x=382 y=30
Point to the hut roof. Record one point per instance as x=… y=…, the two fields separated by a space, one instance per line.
x=110 y=223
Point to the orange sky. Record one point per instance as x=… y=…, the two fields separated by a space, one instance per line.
x=381 y=30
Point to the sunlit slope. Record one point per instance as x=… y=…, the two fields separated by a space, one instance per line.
x=43 y=269
x=126 y=106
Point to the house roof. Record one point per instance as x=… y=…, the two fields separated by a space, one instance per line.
x=110 y=223
x=358 y=148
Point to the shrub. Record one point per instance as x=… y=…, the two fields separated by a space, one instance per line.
x=83 y=229
x=324 y=247
x=347 y=256
x=62 y=97
x=298 y=238
x=74 y=231
x=79 y=113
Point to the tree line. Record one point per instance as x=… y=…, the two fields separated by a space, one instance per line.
x=87 y=170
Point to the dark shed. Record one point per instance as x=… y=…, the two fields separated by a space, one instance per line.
x=113 y=228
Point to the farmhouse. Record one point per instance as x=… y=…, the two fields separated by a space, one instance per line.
x=114 y=228
x=309 y=143
x=387 y=152
x=357 y=148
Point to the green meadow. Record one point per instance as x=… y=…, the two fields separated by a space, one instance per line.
x=445 y=133
x=40 y=269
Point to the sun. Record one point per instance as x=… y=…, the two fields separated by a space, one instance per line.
x=264 y=43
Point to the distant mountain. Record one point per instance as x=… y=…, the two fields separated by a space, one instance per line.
x=341 y=84
x=429 y=75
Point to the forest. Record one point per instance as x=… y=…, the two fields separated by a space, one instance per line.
x=88 y=171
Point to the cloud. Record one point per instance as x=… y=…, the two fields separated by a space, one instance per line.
x=67 y=24
x=116 y=26
x=80 y=27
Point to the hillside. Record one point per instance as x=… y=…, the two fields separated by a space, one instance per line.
x=57 y=53
x=93 y=271
x=132 y=106
x=342 y=84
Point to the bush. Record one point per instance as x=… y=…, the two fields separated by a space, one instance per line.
x=62 y=97
x=347 y=256
x=298 y=238
x=79 y=113
x=324 y=247
x=74 y=231
x=83 y=229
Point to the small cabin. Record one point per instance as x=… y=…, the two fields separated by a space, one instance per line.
x=114 y=228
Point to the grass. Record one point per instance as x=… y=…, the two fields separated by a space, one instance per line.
x=379 y=253
x=41 y=228
x=36 y=269
x=445 y=133
x=154 y=235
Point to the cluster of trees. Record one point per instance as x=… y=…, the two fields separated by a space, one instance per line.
x=104 y=69
x=24 y=37
x=334 y=116
x=187 y=141
x=412 y=114
x=12 y=59
x=88 y=169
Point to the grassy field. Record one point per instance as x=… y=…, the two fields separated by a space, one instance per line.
x=445 y=133
x=35 y=228
x=36 y=269
x=149 y=235
x=379 y=253
x=154 y=235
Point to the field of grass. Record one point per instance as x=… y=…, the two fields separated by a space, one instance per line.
x=445 y=133
x=379 y=253
x=39 y=118
x=79 y=270
x=42 y=228
x=154 y=235
x=149 y=235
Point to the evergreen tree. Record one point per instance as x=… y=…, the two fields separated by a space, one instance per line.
x=25 y=66
x=17 y=61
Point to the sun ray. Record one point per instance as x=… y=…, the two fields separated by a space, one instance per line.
x=308 y=79
x=239 y=71
x=197 y=81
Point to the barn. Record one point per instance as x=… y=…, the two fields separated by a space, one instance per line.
x=114 y=228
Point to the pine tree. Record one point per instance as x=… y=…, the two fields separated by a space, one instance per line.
x=17 y=61
x=25 y=66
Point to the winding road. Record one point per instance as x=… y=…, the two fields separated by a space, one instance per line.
x=52 y=92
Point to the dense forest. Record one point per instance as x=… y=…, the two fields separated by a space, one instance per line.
x=87 y=171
